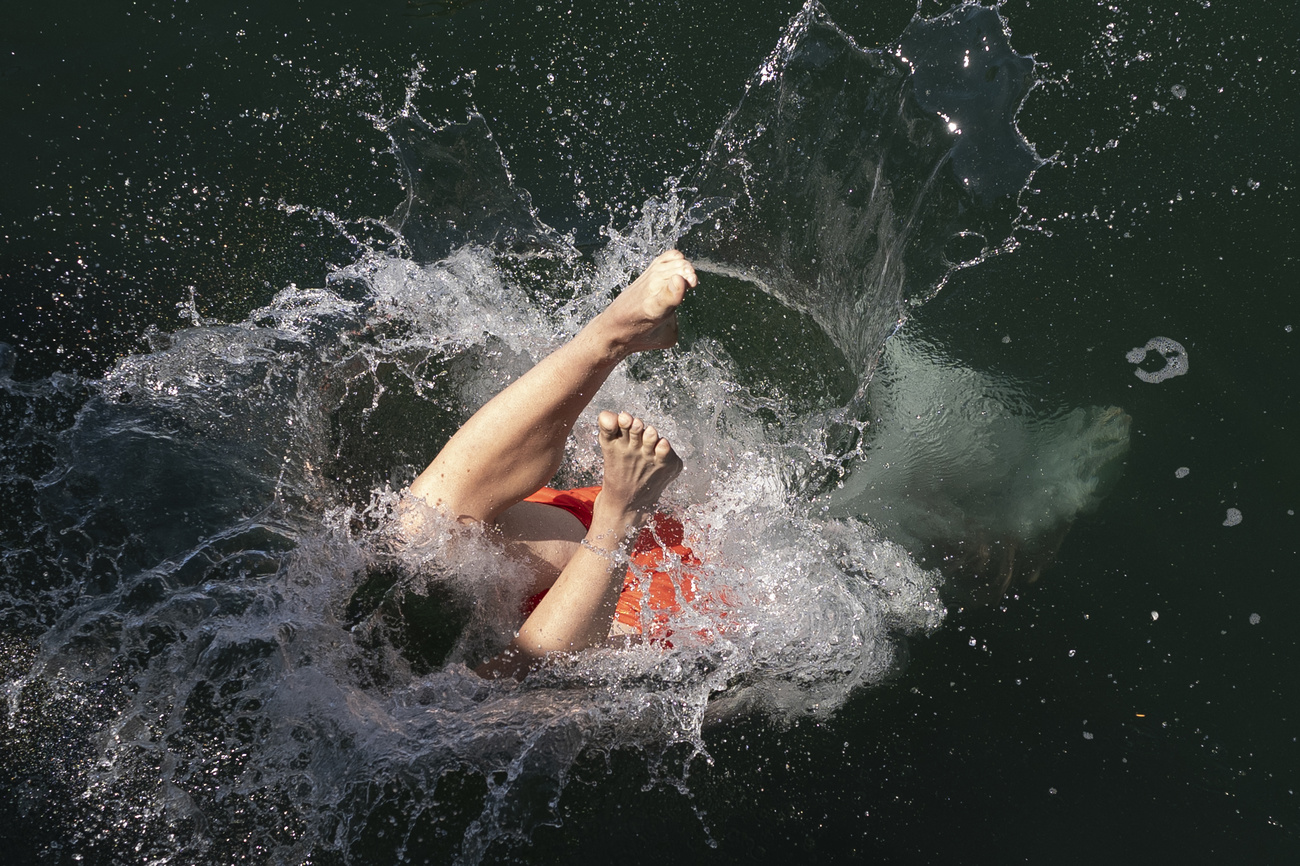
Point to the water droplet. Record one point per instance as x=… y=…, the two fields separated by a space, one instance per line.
x=1181 y=472
x=1178 y=90
x=1233 y=518
x=1155 y=615
x=1254 y=619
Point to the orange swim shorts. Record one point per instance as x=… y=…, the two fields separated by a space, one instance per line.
x=659 y=575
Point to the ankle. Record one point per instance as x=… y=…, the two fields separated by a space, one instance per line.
x=613 y=528
x=604 y=341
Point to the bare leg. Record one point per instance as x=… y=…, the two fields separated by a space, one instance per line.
x=513 y=445
x=575 y=614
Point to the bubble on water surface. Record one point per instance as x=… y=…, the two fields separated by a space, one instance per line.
x=1178 y=90
x=1171 y=350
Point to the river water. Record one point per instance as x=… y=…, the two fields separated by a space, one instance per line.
x=986 y=398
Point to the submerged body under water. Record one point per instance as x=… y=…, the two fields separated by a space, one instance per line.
x=972 y=473
x=221 y=608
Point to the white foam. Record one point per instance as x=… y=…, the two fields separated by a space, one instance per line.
x=1172 y=351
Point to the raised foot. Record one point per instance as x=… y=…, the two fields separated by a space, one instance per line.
x=639 y=466
x=644 y=315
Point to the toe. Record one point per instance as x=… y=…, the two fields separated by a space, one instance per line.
x=635 y=428
x=663 y=448
x=650 y=439
x=687 y=274
x=609 y=426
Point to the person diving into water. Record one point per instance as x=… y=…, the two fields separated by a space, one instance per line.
x=493 y=472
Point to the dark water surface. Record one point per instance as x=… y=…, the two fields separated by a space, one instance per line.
x=210 y=654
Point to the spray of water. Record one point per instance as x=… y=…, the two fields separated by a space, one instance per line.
x=257 y=666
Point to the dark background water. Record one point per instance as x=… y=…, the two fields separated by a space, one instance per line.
x=147 y=149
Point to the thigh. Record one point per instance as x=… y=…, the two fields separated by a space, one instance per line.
x=545 y=534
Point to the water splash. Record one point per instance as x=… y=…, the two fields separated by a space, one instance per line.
x=858 y=180
x=224 y=610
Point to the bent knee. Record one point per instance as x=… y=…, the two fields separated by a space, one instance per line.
x=414 y=515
